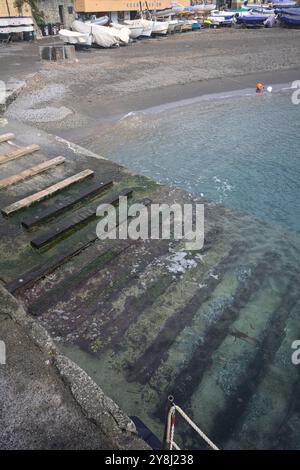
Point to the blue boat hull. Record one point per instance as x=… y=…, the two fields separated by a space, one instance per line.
x=251 y=20
x=290 y=20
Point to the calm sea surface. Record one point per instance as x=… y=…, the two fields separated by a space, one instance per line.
x=243 y=152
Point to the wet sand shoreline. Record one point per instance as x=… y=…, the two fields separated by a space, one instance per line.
x=73 y=99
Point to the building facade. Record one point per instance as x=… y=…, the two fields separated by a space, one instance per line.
x=118 y=9
x=8 y=8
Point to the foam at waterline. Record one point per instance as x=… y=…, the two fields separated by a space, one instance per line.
x=210 y=97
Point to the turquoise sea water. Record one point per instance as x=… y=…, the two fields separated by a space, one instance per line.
x=228 y=361
x=243 y=152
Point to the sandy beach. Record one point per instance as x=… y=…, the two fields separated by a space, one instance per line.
x=107 y=84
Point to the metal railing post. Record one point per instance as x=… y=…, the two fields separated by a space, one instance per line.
x=166 y=439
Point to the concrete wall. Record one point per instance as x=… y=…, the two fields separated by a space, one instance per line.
x=7 y=8
x=57 y=11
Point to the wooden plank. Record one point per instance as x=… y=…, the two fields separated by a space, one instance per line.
x=18 y=153
x=32 y=276
x=30 y=222
x=35 y=170
x=50 y=191
x=82 y=216
x=38 y=272
x=6 y=137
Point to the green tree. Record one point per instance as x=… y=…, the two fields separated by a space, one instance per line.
x=36 y=13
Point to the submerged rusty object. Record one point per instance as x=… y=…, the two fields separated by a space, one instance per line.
x=91 y=190
x=18 y=153
x=50 y=191
x=6 y=137
x=81 y=217
x=35 y=170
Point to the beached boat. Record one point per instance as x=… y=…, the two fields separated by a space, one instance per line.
x=172 y=26
x=223 y=13
x=166 y=13
x=102 y=21
x=175 y=26
x=195 y=25
x=16 y=24
x=73 y=37
x=219 y=17
x=201 y=7
x=101 y=35
x=271 y=21
x=133 y=32
x=219 y=20
x=283 y=4
x=290 y=20
x=289 y=11
x=186 y=26
x=160 y=27
x=251 y=20
x=146 y=25
x=257 y=11
x=121 y=34
x=262 y=11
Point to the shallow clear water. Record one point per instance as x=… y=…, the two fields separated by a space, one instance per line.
x=243 y=152
x=228 y=363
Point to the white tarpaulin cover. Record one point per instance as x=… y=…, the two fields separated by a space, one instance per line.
x=102 y=35
x=73 y=37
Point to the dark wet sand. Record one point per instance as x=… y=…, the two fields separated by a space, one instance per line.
x=105 y=85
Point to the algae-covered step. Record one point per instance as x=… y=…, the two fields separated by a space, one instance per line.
x=271 y=404
x=151 y=323
x=179 y=358
x=230 y=365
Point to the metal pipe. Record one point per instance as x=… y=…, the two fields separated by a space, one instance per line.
x=166 y=441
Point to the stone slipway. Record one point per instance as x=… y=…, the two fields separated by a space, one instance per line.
x=146 y=319
x=47 y=401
